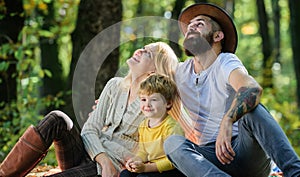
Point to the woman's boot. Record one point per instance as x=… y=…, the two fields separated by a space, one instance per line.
x=25 y=155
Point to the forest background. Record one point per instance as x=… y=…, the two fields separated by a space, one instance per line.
x=41 y=42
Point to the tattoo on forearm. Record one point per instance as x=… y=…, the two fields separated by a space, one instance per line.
x=245 y=100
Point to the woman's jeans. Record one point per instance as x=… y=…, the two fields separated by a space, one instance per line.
x=259 y=139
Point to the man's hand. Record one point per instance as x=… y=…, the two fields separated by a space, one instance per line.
x=108 y=169
x=224 y=151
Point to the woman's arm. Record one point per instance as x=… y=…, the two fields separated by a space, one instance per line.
x=92 y=130
x=108 y=168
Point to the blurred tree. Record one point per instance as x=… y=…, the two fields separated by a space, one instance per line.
x=197 y=1
x=276 y=21
x=140 y=30
x=295 y=37
x=93 y=17
x=174 y=31
x=11 y=23
x=55 y=83
x=266 y=45
x=229 y=6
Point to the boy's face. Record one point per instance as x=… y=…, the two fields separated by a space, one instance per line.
x=154 y=105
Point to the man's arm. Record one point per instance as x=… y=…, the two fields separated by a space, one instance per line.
x=247 y=98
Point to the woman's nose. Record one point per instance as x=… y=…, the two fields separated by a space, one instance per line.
x=136 y=52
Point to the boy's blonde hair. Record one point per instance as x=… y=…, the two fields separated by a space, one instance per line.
x=157 y=83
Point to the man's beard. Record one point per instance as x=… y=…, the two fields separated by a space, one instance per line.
x=197 y=44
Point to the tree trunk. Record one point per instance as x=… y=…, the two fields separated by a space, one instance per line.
x=229 y=7
x=94 y=16
x=276 y=20
x=140 y=30
x=295 y=37
x=10 y=27
x=50 y=60
x=266 y=45
x=174 y=32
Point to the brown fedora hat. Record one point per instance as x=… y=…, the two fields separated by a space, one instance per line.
x=217 y=14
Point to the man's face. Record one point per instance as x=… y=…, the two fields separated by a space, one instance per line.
x=199 y=36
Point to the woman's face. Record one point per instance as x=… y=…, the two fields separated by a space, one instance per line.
x=142 y=60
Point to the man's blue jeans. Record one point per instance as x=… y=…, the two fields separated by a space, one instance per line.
x=260 y=139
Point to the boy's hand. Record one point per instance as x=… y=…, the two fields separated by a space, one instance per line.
x=137 y=166
x=128 y=165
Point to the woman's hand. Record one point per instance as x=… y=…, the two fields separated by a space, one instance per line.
x=94 y=107
x=108 y=169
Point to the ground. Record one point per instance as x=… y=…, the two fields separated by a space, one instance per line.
x=44 y=170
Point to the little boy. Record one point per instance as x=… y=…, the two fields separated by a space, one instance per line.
x=157 y=94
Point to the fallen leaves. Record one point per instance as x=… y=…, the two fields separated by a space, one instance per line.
x=43 y=170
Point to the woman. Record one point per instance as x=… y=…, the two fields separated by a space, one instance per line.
x=109 y=135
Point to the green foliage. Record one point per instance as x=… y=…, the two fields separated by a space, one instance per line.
x=134 y=9
x=280 y=100
x=16 y=116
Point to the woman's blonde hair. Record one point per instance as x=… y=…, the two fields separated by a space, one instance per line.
x=165 y=62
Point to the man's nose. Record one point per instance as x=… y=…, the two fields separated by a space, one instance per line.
x=192 y=27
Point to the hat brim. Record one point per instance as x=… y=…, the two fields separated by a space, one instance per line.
x=218 y=15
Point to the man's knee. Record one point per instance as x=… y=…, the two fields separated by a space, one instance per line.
x=173 y=143
x=259 y=115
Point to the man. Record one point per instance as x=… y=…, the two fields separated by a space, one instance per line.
x=234 y=135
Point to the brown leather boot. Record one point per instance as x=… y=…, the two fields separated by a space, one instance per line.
x=25 y=155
